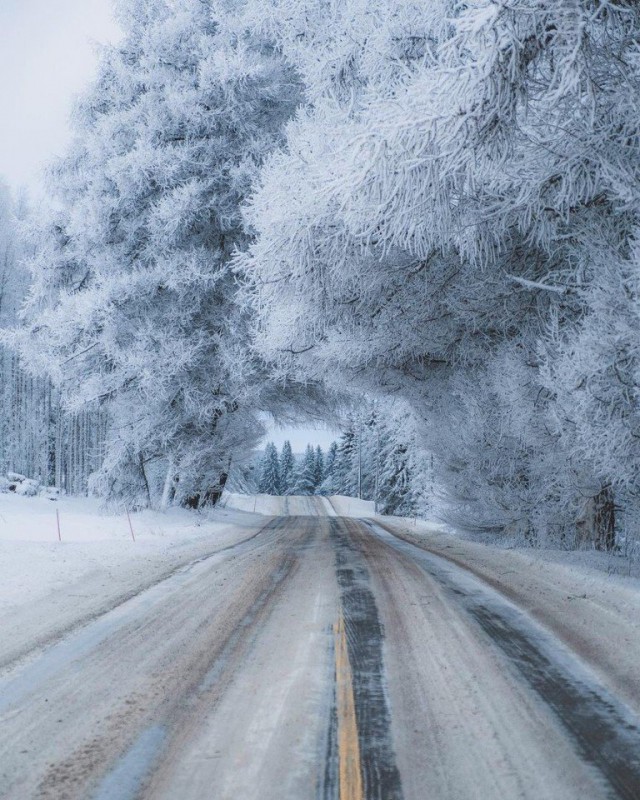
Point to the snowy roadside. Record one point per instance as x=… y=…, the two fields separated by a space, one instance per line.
x=573 y=594
x=48 y=587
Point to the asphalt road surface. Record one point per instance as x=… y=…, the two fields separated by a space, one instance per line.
x=321 y=658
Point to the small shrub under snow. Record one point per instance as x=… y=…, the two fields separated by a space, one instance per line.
x=28 y=488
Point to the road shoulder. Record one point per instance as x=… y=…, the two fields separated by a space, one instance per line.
x=595 y=615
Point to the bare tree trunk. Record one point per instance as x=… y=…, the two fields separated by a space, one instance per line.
x=143 y=474
x=169 y=486
x=604 y=519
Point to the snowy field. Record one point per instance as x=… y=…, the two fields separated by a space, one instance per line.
x=46 y=586
x=100 y=544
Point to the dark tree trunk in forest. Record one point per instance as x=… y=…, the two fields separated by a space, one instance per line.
x=193 y=501
x=604 y=519
x=210 y=497
x=213 y=495
x=143 y=474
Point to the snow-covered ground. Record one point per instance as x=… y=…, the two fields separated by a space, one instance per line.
x=290 y=505
x=48 y=586
x=351 y=506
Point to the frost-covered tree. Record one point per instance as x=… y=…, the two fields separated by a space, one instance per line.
x=37 y=438
x=345 y=470
x=287 y=467
x=396 y=470
x=306 y=473
x=450 y=203
x=318 y=475
x=593 y=372
x=328 y=486
x=133 y=302
x=270 y=475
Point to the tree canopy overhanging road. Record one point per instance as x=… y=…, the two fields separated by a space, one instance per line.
x=415 y=223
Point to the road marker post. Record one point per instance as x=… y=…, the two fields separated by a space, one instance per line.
x=130 y=525
x=58 y=523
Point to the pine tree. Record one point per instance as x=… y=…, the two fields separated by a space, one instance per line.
x=306 y=474
x=395 y=480
x=287 y=465
x=318 y=474
x=327 y=486
x=37 y=437
x=345 y=477
x=270 y=473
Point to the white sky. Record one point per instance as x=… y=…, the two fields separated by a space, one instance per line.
x=47 y=56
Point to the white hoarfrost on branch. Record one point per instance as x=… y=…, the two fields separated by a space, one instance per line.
x=452 y=220
x=133 y=307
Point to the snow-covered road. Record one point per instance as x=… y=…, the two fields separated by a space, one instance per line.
x=317 y=657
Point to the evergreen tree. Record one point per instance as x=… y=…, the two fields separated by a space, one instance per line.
x=37 y=437
x=395 y=484
x=318 y=474
x=270 y=472
x=306 y=475
x=287 y=465
x=330 y=461
x=327 y=486
x=345 y=467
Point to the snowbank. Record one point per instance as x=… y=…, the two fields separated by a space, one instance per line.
x=351 y=506
x=47 y=586
x=255 y=503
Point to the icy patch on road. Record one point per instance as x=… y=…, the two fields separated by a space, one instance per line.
x=126 y=778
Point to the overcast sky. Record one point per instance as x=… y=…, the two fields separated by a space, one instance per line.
x=46 y=57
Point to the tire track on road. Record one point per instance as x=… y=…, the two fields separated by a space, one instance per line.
x=177 y=634
x=41 y=645
x=604 y=731
x=365 y=756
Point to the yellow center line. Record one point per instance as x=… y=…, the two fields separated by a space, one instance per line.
x=350 y=775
